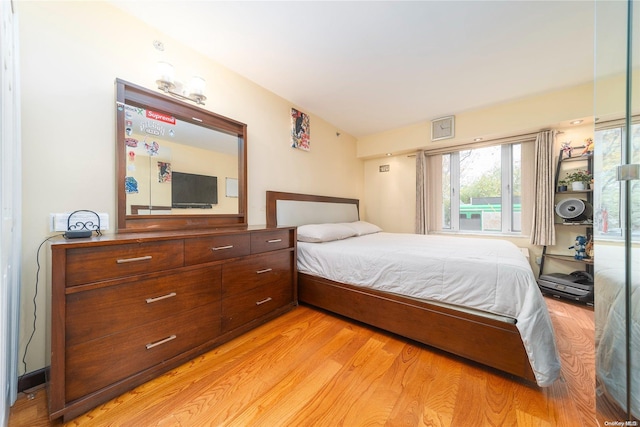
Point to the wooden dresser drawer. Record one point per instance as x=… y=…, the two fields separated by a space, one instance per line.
x=264 y=241
x=254 y=272
x=85 y=265
x=255 y=287
x=214 y=248
x=96 y=313
x=246 y=306
x=98 y=363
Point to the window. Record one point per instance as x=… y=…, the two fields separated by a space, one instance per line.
x=609 y=202
x=481 y=189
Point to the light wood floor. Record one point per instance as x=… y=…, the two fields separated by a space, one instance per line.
x=310 y=368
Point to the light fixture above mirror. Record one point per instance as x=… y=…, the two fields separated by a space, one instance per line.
x=167 y=83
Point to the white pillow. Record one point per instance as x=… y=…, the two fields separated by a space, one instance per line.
x=318 y=233
x=362 y=227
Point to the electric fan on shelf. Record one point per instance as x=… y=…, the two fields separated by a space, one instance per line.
x=574 y=210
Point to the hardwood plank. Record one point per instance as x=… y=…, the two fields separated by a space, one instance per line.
x=471 y=403
x=398 y=397
x=309 y=367
x=293 y=394
x=299 y=386
x=31 y=410
x=574 y=324
x=333 y=402
x=439 y=394
x=369 y=408
x=243 y=388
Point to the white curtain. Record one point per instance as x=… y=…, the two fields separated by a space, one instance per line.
x=543 y=230
x=10 y=203
x=421 y=193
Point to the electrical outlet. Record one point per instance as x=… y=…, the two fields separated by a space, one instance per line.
x=59 y=221
x=538 y=260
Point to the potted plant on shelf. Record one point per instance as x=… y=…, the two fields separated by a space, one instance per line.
x=579 y=179
x=562 y=185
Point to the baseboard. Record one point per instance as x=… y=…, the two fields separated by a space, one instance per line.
x=32 y=379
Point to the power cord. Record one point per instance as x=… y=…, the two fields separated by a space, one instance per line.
x=35 y=305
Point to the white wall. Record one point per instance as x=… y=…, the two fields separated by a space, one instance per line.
x=521 y=116
x=390 y=197
x=71 y=53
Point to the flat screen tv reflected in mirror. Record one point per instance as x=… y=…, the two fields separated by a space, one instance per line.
x=190 y=190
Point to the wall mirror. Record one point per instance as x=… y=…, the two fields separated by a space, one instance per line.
x=178 y=166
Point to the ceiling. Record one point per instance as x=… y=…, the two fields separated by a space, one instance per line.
x=367 y=67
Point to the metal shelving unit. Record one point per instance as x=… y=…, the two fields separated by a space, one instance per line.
x=586 y=263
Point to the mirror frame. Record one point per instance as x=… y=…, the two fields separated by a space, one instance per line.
x=131 y=94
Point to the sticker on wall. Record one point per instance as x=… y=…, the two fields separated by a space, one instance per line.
x=130 y=185
x=131 y=142
x=164 y=172
x=152 y=149
x=300 y=130
x=132 y=156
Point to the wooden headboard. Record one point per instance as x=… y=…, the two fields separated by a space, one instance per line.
x=293 y=209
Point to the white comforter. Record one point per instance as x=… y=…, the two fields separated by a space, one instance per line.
x=485 y=274
x=610 y=335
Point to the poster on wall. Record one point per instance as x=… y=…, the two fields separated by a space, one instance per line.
x=164 y=172
x=300 y=130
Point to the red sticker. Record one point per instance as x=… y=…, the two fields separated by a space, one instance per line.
x=161 y=117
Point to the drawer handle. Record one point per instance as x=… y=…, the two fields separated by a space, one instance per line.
x=263 y=301
x=140 y=258
x=274 y=241
x=266 y=270
x=157 y=343
x=222 y=247
x=150 y=300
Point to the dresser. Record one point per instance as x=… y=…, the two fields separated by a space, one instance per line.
x=126 y=308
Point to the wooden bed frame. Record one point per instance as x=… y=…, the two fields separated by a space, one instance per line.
x=486 y=340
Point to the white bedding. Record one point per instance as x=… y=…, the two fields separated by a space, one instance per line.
x=485 y=274
x=610 y=336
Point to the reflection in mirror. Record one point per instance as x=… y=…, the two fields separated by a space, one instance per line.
x=178 y=165
x=617 y=222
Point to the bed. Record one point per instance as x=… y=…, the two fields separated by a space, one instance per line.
x=611 y=327
x=464 y=319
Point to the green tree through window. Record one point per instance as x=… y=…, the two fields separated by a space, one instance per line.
x=481 y=189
